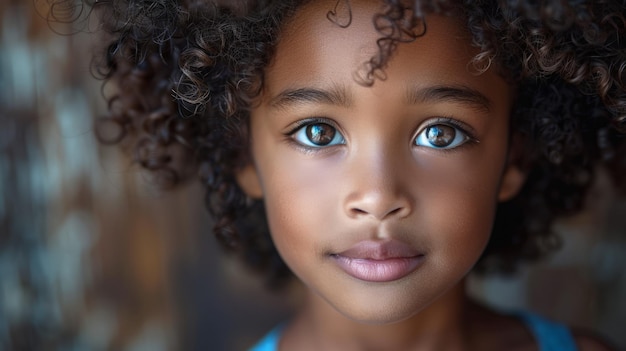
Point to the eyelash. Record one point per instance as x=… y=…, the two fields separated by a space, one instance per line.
x=299 y=125
x=449 y=121
x=446 y=121
x=307 y=121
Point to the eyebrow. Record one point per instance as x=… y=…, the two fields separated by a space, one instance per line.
x=339 y=96
x=336 y=95
x=457 y=94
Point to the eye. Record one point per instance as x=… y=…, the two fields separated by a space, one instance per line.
x=441 y=136
x=318 y=135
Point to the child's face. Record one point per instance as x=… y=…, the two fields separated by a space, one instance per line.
x=380 y=199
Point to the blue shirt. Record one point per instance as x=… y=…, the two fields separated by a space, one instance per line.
x=550 y=336
x=269 y=342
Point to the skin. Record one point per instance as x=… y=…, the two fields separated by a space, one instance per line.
x=374 y=183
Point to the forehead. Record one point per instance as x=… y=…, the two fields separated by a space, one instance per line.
x=315 y=43
x=329 y=46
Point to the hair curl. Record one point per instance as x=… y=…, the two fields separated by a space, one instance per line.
x=188 y=70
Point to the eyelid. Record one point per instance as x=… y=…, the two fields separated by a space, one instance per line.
x=297 y=125
x=464 y=127
x=467 y=130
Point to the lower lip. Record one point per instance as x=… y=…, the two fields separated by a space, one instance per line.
x=371 y=270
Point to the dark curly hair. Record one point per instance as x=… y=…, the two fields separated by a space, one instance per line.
x=187 y=71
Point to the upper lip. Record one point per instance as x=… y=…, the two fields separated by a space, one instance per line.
x=380 y=250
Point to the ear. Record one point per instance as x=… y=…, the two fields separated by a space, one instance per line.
x=514 y=175
x=512 y=181
x=248 y=180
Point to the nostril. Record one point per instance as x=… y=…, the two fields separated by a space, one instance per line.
x=378 y=205
x=358 y=211
x=394 y=211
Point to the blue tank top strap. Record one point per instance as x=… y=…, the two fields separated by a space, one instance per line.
x=550 y=336
x=270 y=341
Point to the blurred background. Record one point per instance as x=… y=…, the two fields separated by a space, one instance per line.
x=93 y=257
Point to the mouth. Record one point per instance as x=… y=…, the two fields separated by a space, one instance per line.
x=376 y=261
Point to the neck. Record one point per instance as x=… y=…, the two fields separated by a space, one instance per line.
x=440 y=326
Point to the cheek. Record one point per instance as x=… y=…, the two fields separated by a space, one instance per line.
x=465 y=226
x=301 y=204
x=459 y=204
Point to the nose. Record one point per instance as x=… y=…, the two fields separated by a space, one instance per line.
x=379 y=206
x=377 y=189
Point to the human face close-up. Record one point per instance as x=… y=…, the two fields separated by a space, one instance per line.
x=379 y=198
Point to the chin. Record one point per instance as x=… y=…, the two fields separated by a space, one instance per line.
x=380 y=316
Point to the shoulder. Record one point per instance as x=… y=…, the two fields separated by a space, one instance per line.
x=551 y=335
x=588 y=341
x=529 y=331
x=269 y=341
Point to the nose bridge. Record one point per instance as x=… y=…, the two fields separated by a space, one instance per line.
x=377 y=187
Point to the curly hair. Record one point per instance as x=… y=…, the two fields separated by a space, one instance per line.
x=187 y=72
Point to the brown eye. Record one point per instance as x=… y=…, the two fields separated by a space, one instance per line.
x=317 y=135
x=441 y=136
x=320 y=134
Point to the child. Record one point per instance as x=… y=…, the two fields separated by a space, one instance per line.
x=392 y=146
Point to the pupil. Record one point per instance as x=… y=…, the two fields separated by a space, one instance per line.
x=440 y=136
x=320 y=134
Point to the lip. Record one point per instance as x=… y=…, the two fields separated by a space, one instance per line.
x=379 y=261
